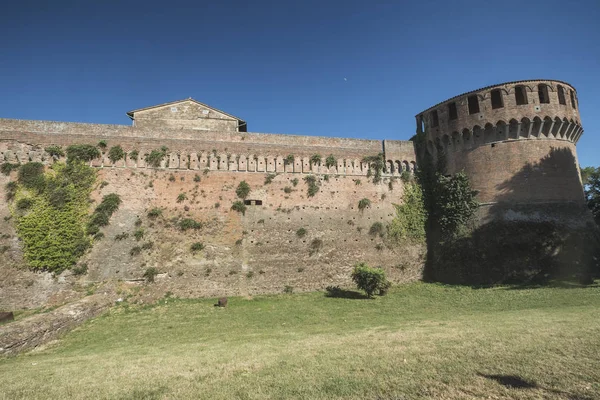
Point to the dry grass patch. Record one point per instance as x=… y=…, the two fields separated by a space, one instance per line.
x=420 y=341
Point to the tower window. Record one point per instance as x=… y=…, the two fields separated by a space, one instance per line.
x=543 y=94
x=520 y=95
x=435 y=122
x=452 y=111
x=473 y=104
x=561 y=95
x=573 y=100
x=497 y=99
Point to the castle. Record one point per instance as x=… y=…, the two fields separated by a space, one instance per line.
x=516 y=141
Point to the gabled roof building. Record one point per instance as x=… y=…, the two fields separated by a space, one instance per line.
x=186 y=114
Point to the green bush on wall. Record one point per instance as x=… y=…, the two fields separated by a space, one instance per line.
x=53 y=231
x=82 y=152
x=116 y=153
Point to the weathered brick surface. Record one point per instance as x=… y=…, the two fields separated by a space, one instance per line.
x=513 y=153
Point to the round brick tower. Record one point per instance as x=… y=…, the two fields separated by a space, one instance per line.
x=516 y=143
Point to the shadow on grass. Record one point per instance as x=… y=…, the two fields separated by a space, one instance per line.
x=516 y=382
x=534 y=284
x=511 y=381
x=336 y=292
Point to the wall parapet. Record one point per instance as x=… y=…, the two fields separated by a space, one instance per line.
x=23 y=141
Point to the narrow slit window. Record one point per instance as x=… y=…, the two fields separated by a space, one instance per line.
x=520 y=95
x=561 y=95
x=497 y=99
x=435 y=121
x=473 y=104
x=543 y=94
x=573 y=100
x=452 y=111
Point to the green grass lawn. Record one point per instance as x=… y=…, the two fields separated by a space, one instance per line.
x=419 y=341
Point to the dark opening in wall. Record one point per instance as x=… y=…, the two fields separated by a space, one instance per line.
x=573 y=100
x=253 y=202
x=520 y=95
x=497 y=101
x=473 y=104
x=435 y=122
x=543 y=94
x=452 y=111
x=561 y=95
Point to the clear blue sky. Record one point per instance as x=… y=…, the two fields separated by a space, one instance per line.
x=308 y=67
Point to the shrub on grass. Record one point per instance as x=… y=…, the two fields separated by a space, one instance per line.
x=370 y=280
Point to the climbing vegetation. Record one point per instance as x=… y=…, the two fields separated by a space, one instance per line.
x=411 y=216
x=156 y=157
x=313 y=185
x=376 y=164
x=52 y=226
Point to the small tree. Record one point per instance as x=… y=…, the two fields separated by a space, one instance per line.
x=315 y=159
x=243 y=190
x=592 y=191
x=116 y=153
x=239 y=207
x=330 y=161
x=371 y=280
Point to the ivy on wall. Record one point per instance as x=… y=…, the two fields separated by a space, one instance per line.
x=411 y=216
x=52 y=227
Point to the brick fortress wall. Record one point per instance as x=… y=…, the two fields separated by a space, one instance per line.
x=516 y=142
x=259 y=252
